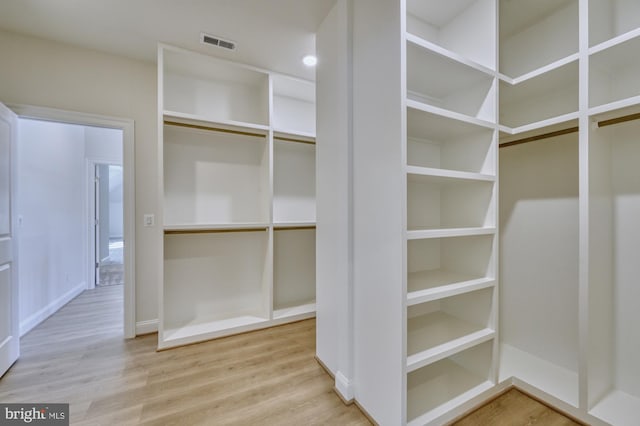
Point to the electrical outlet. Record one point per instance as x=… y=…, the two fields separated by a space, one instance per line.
x=149 y=219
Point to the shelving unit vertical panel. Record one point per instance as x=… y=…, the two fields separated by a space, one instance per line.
x=379 y=192
x=159 y=210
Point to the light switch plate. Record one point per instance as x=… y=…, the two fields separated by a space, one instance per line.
x=149 y=219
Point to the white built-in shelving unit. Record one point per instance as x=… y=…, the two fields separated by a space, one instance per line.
x=237 y=150
x=433 y=332
x=450 y=127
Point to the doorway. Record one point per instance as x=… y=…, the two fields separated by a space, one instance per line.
x=96 y=152
x=108 y=229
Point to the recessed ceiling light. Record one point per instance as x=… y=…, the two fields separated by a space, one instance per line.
x=310 y=60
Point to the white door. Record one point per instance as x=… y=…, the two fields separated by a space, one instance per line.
x=9 y=330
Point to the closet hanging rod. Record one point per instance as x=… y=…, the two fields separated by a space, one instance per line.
x=619 y=120
x=540 y=137
x=211 y=231
x=293 y=228
x=212 y=129
x=603 y=123
x=285 y=139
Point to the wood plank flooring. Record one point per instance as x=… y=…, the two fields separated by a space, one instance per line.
x=268 y=377
x=78 y=356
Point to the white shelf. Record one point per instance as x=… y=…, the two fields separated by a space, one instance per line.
x=295 y=135
x=535 y=34
x=296 y=311
x=540 y=71
x=540 y=126
x=206 y=123
x=204 y=330
x=618 y=408
x=445 y=175
x=465 y=27
x=438 y=335
x=425 y=44
x=422 y=106
x=545 y=97
x=426 y=286
x=445 y=83
x=612 y=20
x=438 y=388
x=452 y=232
x=550 y=378
x=615 y=106
x=614 y=73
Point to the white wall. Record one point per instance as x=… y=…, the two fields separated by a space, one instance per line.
x=50 y=74
x=334 y=326
x=52 y=218
x=116 y=219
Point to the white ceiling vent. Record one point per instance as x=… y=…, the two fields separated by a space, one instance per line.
x=217 y=41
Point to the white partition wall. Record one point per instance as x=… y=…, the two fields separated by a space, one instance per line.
x=238 y=171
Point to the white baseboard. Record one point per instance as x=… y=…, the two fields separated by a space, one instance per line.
x=36 y=318
x=344 y=387
x=146 y=327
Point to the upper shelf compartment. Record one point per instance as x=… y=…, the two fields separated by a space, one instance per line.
x=534 y=34
x=464 y=27
x=610 y=19
x=294 y=106
x=448 y=85
x=614 y=76
x=213 y=90
x=542 y=101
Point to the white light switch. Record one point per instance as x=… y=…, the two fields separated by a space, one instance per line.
x=149 y=219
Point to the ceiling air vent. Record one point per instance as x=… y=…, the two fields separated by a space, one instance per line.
x=217 y=41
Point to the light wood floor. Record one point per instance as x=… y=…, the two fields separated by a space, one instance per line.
x=78 y=356
x=268 y=377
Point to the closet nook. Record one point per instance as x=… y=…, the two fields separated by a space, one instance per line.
x=496 y=197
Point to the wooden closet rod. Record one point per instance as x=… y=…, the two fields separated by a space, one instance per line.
x=210 y=231
x=212 y=129
x=293 y=228
x=539 y=137
x=618 y=120
x=280 y=138
x=603 y=123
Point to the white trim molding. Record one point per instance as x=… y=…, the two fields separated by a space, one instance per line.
x=36 y=318
x=146 y=327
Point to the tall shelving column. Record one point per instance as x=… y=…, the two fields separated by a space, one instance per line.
x=612 y=348
x=238 y=250
x=425 y=207
x=451 y=189
x=539 y=200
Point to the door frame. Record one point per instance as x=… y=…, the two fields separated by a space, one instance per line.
x=128 y=181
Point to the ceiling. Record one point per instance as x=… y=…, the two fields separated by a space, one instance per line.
x=270 y=34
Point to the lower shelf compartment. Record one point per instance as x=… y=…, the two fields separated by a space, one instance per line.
x=552 y=379
x=198 y=331
x=618 y=408
x=434 y=390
